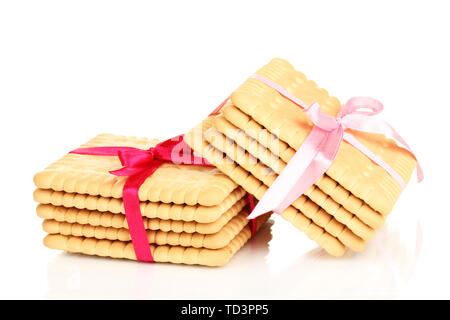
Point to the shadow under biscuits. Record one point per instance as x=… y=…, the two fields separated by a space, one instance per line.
x=381 y=271
x=74 y=275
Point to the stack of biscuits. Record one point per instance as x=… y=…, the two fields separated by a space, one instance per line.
x=198 y=214
x=258 y=131
x=192 y=214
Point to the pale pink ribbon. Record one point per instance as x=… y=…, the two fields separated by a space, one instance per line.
x=318 y=151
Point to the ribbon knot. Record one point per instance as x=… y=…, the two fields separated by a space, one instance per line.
x=322 y=120
x=134 y=161
x=356 y=109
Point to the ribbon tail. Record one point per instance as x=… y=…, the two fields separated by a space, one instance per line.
x=365 y=124
x=253 y=222
x=133 y=213
x=372 y=156
x=419 y=172
x=264 y=205
x=318 y=166
x=219 y=107
x=398 y=138
x=102 y=151
x=275 y=197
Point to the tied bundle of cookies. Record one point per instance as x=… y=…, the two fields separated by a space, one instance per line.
x=331 y=170
x=133 y=198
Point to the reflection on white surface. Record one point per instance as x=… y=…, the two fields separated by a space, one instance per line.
x=277 y=263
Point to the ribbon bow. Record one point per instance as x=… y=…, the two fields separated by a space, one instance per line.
x=138 y=165
x=318 y=151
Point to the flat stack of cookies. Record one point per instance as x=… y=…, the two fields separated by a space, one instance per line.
x=258 y=131
x=198 y=214
x=192 y=214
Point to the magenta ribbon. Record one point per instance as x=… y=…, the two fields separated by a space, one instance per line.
x=138 y=165
x=318 y=151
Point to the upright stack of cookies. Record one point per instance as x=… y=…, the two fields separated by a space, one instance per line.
x=257 y=133
x=192 y=214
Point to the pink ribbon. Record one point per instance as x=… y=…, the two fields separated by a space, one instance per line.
x=138 y=165
x=318 y=151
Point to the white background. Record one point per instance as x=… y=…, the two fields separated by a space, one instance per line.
x=70 y=70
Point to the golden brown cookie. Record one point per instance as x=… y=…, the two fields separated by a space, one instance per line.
x=170 y=183
x=161 y=253
x=197 y=240
x=160 y=210
x=109 y=219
